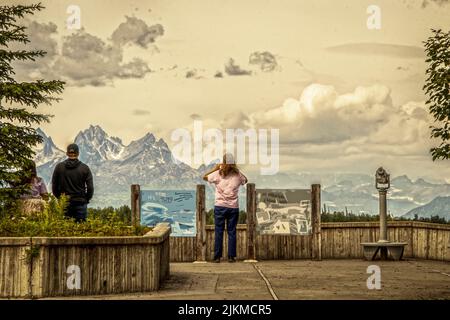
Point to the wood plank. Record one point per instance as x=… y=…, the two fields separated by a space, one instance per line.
x=201 y=223
x=316 y=222
x=135 y=204
x=251 y=221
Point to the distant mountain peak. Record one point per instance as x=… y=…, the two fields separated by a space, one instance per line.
x=402 y=178
x=148 y=138
x=47 y=141
x=94 y=131
x=40 y=132
x=162 y=143
x=47 y=151
x=421 y=181
x=96 y=145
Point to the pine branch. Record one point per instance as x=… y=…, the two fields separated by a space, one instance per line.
x=21 y=55
x=15 y=35
x=23 y=116
x=6 y=70
x=11 y=13
x=31 y=93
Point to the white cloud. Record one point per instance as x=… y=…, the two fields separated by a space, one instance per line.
x=322 y=115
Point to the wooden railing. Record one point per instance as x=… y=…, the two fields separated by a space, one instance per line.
x=425 y=240
x=327 y=240
x=338 y=241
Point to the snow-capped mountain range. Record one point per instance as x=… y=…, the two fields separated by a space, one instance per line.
x=97 y=146
x=115 y=166
x=149 y=162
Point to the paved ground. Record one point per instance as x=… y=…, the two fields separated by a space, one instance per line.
x=302 y=279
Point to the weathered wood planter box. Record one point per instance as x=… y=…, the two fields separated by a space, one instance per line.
x=45 y=267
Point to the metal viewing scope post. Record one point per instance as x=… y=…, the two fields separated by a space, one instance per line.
x=383 y=246
x=382 y=183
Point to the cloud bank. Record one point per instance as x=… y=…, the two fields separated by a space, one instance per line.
x=326 y=130
x=83 y=58
x=332 y=129
x=322 y=115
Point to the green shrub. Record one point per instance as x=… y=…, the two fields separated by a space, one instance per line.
x=123 y=213
x=52 y=223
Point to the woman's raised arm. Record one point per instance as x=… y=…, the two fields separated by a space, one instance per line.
x=217 y=167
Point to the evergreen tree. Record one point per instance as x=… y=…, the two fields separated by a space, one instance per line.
x=17 y=103
x=437 y=87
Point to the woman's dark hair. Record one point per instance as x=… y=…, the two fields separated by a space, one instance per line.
x=228 y=166
x=30 y=172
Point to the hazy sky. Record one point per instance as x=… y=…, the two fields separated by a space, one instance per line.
x=345 y=98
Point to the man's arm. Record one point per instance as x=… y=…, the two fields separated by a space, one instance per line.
x=56 y=188
x=89 y=185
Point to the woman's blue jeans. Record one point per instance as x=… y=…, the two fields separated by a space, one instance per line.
x=230 y=216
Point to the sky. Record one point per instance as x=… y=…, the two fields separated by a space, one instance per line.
x=345 y=98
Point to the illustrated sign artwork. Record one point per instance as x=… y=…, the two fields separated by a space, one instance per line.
x=283 y=211
x=176 y=207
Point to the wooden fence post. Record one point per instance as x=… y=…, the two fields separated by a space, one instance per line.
x=251 y=222
x=135 y=205
x=316 y=221
x=201 y=223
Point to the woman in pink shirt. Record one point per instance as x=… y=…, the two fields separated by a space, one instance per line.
x=227 y=179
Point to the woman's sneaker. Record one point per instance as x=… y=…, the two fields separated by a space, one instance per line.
x=231 y=259
x=217 y=260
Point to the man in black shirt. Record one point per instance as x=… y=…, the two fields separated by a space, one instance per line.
x=73 y=178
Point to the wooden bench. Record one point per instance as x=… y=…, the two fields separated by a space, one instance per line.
x=395 y=249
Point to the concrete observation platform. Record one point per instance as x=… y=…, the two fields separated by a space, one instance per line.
x=301 y=279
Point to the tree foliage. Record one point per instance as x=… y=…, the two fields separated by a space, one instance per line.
x=18 y=101
x=350 y=217
x=437 y=88
x=123 y=213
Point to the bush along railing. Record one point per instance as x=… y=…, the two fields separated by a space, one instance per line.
x=51 y=222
